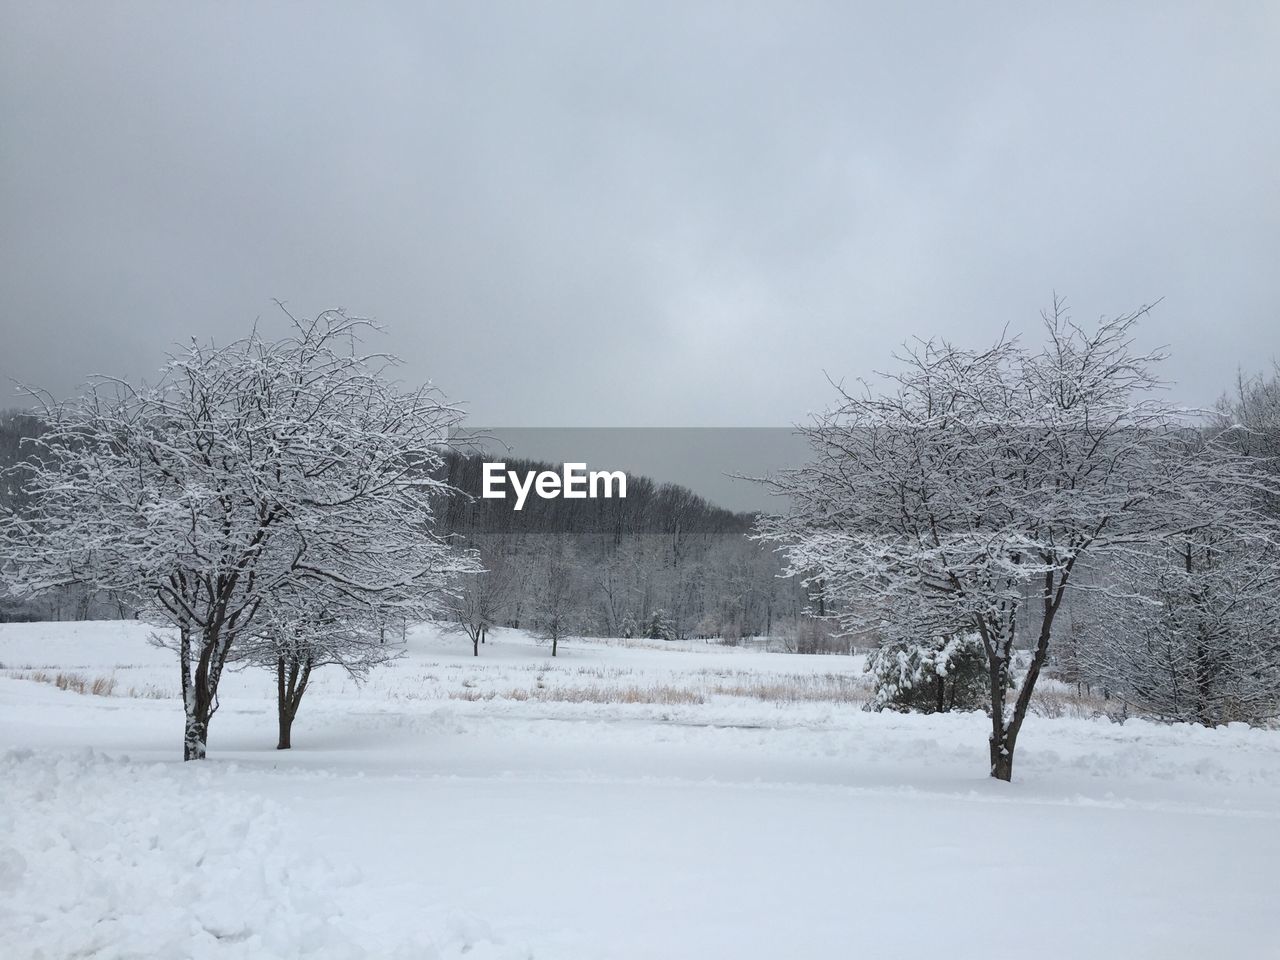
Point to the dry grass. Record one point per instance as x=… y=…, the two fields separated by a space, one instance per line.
x=75 y=682
x=71 y=681
x=1057 y=701
x=655 y=694
x=98 y=686
x=151 y=692
x=799 y=688
x=691 y=690
x=103 y=686
x=604 y=673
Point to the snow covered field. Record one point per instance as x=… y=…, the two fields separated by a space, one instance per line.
x=620 y=801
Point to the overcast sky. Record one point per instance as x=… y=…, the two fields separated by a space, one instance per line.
x=640 y=214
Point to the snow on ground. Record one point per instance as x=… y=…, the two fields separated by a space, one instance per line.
x=633 y=801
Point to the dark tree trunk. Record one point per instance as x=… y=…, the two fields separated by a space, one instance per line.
x=554 y=642
x=1004 y=734
x=292 y=674
x=1001 y=760
x=999 y=743
x=475 y=644
x=285 y=741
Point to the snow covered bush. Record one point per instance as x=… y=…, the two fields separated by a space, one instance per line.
x=660 y=626
x=931 y=676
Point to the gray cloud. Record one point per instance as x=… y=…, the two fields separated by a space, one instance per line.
x=644 y=214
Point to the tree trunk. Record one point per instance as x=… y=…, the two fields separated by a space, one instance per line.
x=554 y=641
x=197 y=702
x=1000 y=744
x=285 y=742
x=1004 y=734
x=475 y=644
x=291 y=683
x=195 y=737
x=199 y=711
x=1001 y=760
x=282 y=706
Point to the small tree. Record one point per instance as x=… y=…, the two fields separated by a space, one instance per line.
x=557 y=600
x=480 y=600
x=932 y=676
x=298 y=631
x=660 y=626
x=297 y=635
x=252 y=471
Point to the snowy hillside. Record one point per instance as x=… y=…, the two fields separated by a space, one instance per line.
x=623 y=800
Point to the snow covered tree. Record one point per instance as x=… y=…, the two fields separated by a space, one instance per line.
x=1250 y=417
x=1196 y=636
x=298 y=632
x=557 y=603
x=929 y=676
x=660 y=626
x=1249 y=421
x=249 y=471
x=481 y=599
x=303 y=626
x=968 y=492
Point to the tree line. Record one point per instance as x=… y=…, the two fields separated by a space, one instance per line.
x=662 y=563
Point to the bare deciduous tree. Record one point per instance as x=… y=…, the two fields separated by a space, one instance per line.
x=969 y=491
x=557 y=602
x=246 y=472
x=1196 y=634
x=480 y=600
x=298 y=630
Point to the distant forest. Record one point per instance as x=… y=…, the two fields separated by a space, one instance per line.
x=663 y=562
